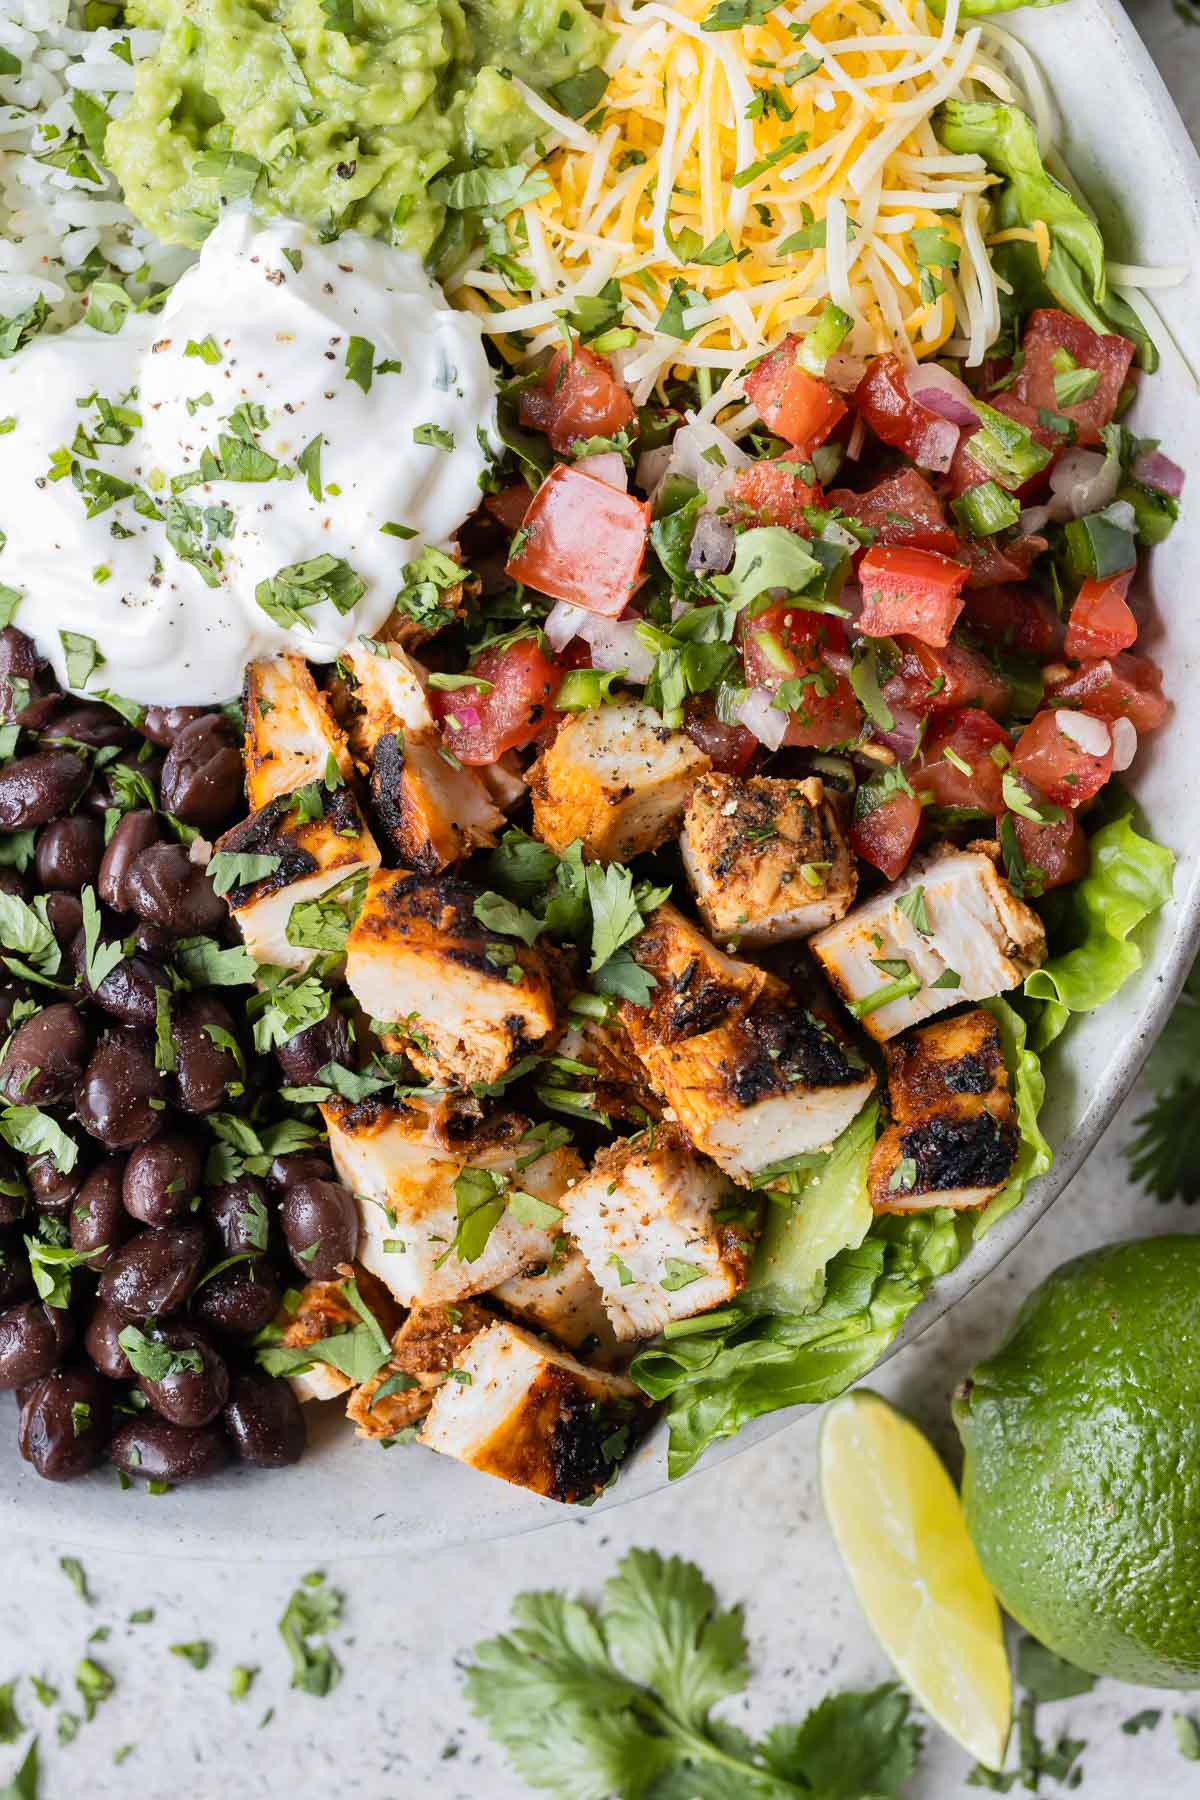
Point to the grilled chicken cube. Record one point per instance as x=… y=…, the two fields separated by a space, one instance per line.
x=950 y=930
x=615 y=777
x=311 y=856
x=595 y=1065
x=431 y=812
x=505 y=781
x=562 y=1299
x=533 y=1415
x=321 y=1310
x=649 y=1219
x=751 y=1074
x=954 y=1137
x=767 y=858
x=427 y=1346
x=404 y=1174
x=290 y=732
x=465 y=1001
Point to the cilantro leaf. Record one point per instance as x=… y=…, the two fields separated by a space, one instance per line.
x=498 y=914
x=616 y=915
x=662 y=1624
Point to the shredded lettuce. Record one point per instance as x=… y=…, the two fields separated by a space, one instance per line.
x=1129 y=879
x=979 y=9
x=1028 y=1087
x=803 y=1232
x=1074 y=277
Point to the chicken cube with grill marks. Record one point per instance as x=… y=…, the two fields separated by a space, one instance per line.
x=661 y=1232
x=532 y=1415
x=615 y=777
x=403 y=1170
x=767 y=857
x=320 y=1310
x=431 y=812
x=950 y=930
x=594 y=1062
x=466 y=1003
x=752 y=1075
x=291 y=734
x=311 y=857
x=954 y=1137
x=427 y=1346
x=562 y=1299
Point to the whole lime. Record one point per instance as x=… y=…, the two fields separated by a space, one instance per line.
x=1082 y=1475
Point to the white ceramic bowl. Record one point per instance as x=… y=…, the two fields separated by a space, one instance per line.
x=1128 y=149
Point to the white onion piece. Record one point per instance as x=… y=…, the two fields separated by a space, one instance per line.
x=857 y=438
x=767 y=722
x=905 y=734
x=1083 y=482
x=940 y=443
x=1122 y=515
x=1032 y=520
x=1124 y=743
x=563 y=622
x=1091 y=734
x=712 y=545
x=941 y=392
x=844 y=372
x=687 y=458
x=1155 y=470
x=651 y=467
x=607 y=466
x=615 y=644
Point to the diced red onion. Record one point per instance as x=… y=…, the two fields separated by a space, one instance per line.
x=851 y=598
x=614 y=644
x=1155 y=470
x=904 y=735
x=651 y=467
x=938 y=444
x=1083 y=481
x=857 y=438
x=942 y=393
x=1124 y=743
x=712 y=545
x=606 y=465
x=1032 y=520
x=839 y=661
x=767 y=722
x=844 y=372
x=1091 y=734
x=466 y=713
x=564 y=622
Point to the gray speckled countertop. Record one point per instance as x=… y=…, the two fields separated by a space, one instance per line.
x=396 y=1728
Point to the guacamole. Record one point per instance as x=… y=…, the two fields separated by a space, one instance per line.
x=337 y=112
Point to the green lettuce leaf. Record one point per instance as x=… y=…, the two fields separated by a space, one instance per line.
x=1129 y=879
x=979 y=9
x=803 y=1232
x=1028 y=1085
x=1074 y=277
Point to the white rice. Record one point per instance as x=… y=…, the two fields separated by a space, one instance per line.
x=51 y=222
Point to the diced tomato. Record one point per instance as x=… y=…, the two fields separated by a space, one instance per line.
x=583 y=543
x=965 y=472
x=1014 y=618
x=883 y=400
x=731 y=747
x=931 y=680
x=913 y=591
x=885 y=835
x=1048 y=330
x=1101 y=622
x=801 y=407
x=1058 y=853
x=774 y=496
x=991 y=561
x=784 y=643
x=480 y=726
x=578 y=396
x=1114 y=687
x=956 y=766
x=509 y=506
x=901 y=510
x=1056 y=764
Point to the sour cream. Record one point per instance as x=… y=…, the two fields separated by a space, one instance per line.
x=271 y=342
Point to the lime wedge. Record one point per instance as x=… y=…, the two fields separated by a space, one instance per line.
x=899 y=1525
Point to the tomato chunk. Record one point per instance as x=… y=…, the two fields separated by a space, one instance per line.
x=774 y=495
x=509 y=506
x=1116 y=687
x=931 y=680
x=913 y=591
x=731 y=747
x=1014 y=618
x=883 y=400
x=1057 y=763
x=1047 y=331
x=480 y=725
x=1053 y=854
x=1101 y=622
x=801 y=407
x=901 y=510
x=584 y=542
x=885 y=834
x=577 y=396
x=990 y=561
x=785 y=644
x=956 y=765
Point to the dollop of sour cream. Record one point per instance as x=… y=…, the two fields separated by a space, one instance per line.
x=250 y=470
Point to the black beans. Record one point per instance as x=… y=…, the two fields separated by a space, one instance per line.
x=120 y=1099
x=26 y=682
x=163 y=1178
x=305 y=1055
x=65 y=1423
x=100 y=1341
x=163 y=724
x=129 y=992
x=166 y=888
x=265 y=1421
x=207 y=1072
x=35 y=789
x=154 y=1272
x=320 y=1227
x=133 y=834
x=237 y=1211
x=98 y=1220
x=68 y=852
x=53 y=1189
x=111 y=789
x=155 y=1450
x=202 y=776
x=45 y=1057
x=299 y=1165
x=195 y=1383
x=65 y=915
x=86 y=722
x=16 y=1281
x=239 y=1301
x=33 y=1337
